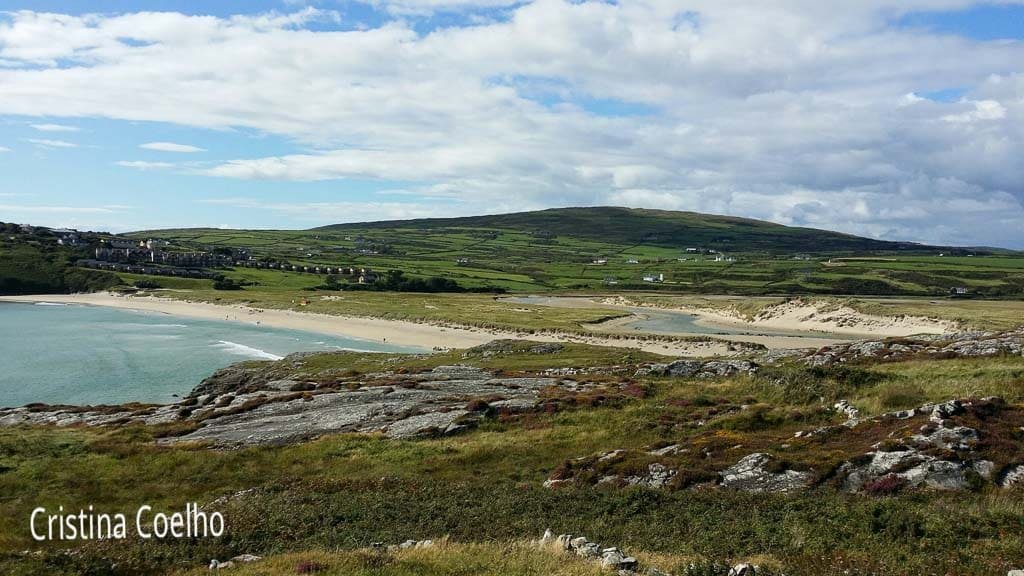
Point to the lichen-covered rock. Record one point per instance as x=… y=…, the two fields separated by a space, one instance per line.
x=658 y=476
x=751 y=474
x=963 y=344
x=686 y=368
x=743 y=570
x=908 y=466
x=1013 y=476
x=956 y=438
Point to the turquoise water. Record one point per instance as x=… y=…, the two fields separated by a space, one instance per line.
x=72 y=354
x=667 y=322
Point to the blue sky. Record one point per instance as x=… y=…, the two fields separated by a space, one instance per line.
x=864 y=118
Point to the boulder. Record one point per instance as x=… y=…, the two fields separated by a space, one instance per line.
x=751 y=475
x=957 y=438
x=658 y=476
x=1013 y=476
x=743 y=570
x=909 y=466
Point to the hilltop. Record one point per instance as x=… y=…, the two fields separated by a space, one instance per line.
x=563 y=249
x=662 y=228
x=609 y=248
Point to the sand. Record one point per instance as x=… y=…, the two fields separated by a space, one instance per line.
x=801 y=315
x=424 y=335
x=821 y=317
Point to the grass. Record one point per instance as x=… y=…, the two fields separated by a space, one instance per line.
x=477 y=310
x=323 y=500
x=444 y=559
x=555 y=250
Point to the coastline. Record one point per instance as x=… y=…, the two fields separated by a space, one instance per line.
x=771 y=341
x=801 y=316
x=400 y=332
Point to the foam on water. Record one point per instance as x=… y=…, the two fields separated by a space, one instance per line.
x=243 y=350
x=78 y=354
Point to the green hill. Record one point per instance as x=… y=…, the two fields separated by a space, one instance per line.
x=661 y=228
x=607 y=248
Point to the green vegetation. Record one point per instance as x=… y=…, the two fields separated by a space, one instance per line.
x=31 y=262
x=583 y=249
x=323 y=501
x=615 y=248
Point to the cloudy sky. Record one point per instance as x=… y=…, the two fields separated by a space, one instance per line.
x=901 y=119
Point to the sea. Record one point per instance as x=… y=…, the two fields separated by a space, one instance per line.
x=58 y=353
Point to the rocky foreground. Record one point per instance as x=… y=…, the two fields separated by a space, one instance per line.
x=946 y=446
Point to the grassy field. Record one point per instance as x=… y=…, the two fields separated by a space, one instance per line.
x=323 y=500
x=588 y=249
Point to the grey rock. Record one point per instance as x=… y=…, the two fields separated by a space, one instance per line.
x=911 y=466
x=743 y=570
x=984 y=468
x=666 y=451
x=658 y=476
x=750 y=475
x=957 y=438
x=683 y=368
x=547 y=348
x=946 y=410
x=1013 y=476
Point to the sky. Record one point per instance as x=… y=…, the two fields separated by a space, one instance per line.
x=895 y=119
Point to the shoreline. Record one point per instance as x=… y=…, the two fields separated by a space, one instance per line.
x=808 y=317
x=400 y=332
x=623 y=326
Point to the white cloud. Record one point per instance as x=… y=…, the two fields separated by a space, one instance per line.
x=982 y=110
x=797 y=110
x=171 y=147
x=4 y=149
x=322 y=213
x=44 y=143
x=144 y=165
x=54 y=128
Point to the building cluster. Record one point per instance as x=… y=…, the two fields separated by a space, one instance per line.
x=132 y=268
x=136 y=254
x=359 y=275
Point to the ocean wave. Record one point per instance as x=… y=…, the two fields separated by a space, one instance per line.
x=136 y=325
x=49 y=303
x=349 y=349
x=243 y=350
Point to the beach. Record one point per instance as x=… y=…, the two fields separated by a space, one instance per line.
x=808 y=316
x=398 y=332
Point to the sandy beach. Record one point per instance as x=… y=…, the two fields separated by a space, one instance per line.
x=423 y=335
x=808 y=316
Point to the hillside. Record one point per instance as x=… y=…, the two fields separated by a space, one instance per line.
x=32 y=262
x=660 y=228
x=606 y=248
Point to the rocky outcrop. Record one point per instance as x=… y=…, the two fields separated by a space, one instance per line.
x=928 y=447
x=960 y=345
x=685 y=368
x=1013 y=476
x=754 y=473
x=889 y=471
x=609 y=558
x=238 y=408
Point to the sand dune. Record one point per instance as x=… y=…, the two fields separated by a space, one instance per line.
x=831 y=318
